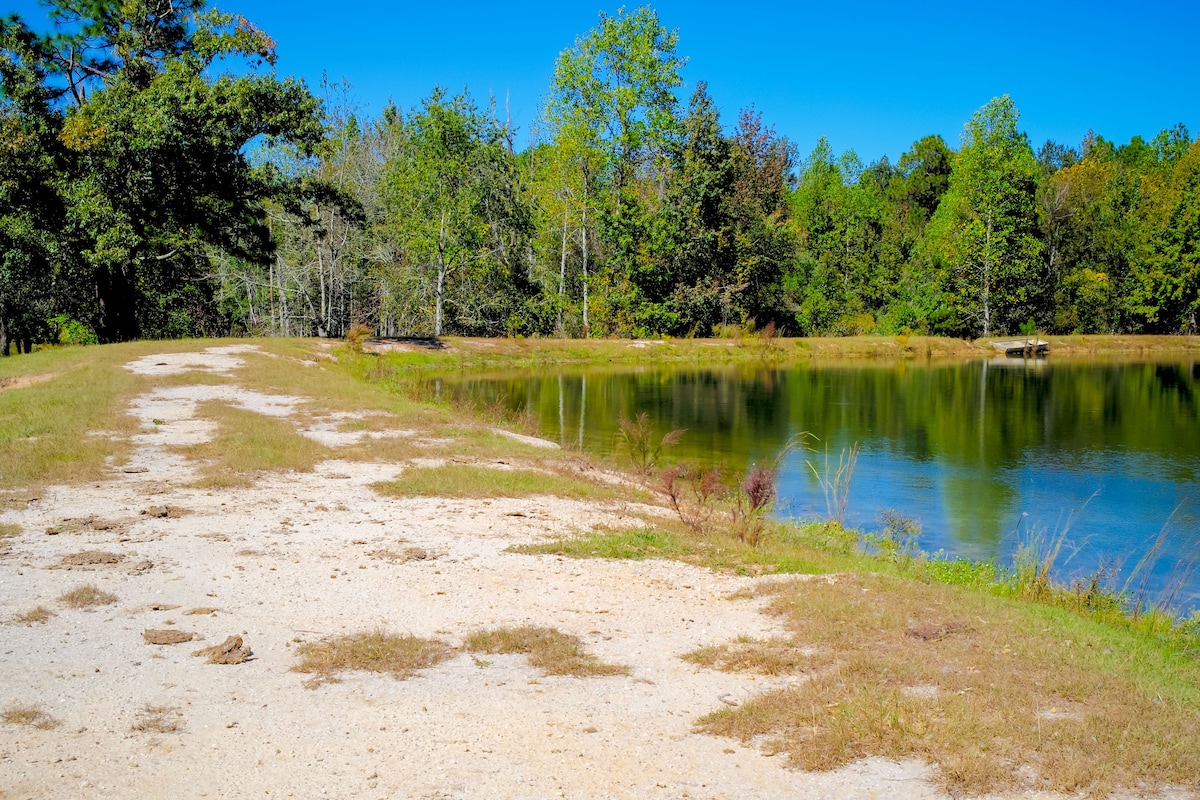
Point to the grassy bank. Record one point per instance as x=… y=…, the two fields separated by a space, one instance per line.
x=455 y=353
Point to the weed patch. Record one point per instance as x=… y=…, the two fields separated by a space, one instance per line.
x=30 y=715
x=35 y=616
x=158 y=719
x=553 y=652
x=378 y=651
x=87 y=596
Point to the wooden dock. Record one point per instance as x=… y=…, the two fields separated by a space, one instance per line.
x=1022 y=347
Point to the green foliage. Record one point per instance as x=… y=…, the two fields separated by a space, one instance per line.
x=131 y=204
x=147 y=163
x=984 y=227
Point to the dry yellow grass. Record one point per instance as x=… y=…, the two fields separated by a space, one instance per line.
x=158 y=719
x=31 y=715
x=34 y=616
x=9 y=531
x=377 y=651
x=974 y=684
x=762 y=657
x=86 y=596
x=553 y=652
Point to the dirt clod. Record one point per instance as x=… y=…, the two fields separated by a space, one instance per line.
x=167 y=637
x=230 y=651
x=90 y=557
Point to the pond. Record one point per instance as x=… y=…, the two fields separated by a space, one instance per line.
x=985 y=455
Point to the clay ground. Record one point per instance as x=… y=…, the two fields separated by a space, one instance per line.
x=298 y=557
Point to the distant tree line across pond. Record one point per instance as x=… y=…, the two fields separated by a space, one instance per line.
x=145 y=194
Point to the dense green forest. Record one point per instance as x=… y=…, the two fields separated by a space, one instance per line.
x=157 y=179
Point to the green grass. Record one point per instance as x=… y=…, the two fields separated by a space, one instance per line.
x=469 y=481
x=45 y=427
x=635 y=544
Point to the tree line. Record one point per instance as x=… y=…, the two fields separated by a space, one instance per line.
x=142 y=194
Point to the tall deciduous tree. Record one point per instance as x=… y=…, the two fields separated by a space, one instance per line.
x=986 y=224
x=452 y=196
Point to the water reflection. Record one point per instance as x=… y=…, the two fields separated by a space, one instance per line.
x=984 y=454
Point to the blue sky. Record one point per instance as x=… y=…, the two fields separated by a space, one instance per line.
x=872 y=77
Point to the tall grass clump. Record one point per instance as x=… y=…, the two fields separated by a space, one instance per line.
x=835 y=481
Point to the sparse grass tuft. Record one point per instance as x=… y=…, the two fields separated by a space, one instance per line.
x=36 y=616
x=553 y=652
x=158 y=719
x=9 y=531
x=86 y=596
x=468 y=481
x=248 y=443
x=31 y=715
x=378 y=651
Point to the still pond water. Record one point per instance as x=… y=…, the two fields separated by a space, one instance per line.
x=986 y=455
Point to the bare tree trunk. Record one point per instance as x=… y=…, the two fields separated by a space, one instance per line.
x=583 y=241
x=283 y=306
x=987 y=279
x=562 y=276
x=3 y=333
x=323 y=312
x=441 y=278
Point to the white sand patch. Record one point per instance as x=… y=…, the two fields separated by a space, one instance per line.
x=532 y=441
x=215 y=360
x=330 y=430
